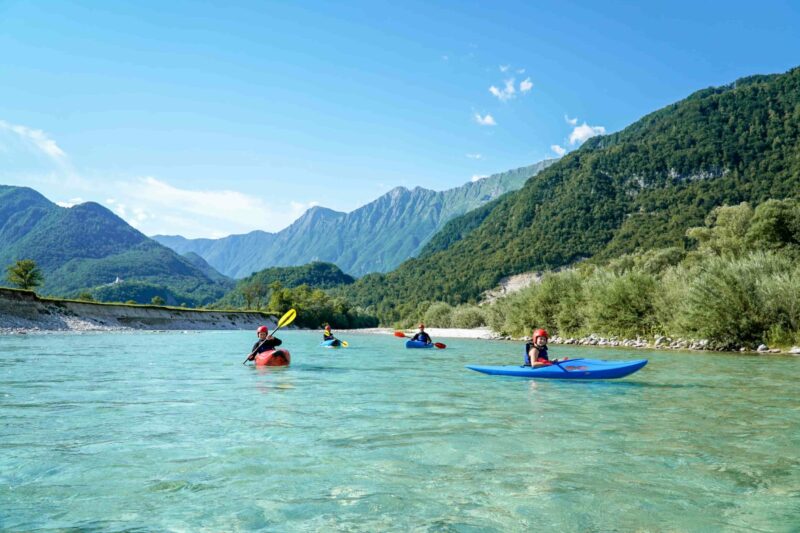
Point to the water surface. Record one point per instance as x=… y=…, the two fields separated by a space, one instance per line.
x=168 y=431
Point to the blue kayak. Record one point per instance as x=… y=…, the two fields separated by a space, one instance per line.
x=569 y=369
x=333 y=343
x=418 y=344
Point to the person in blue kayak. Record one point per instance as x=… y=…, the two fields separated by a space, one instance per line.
x=421 y=336
x=327 y=335
x=536 y=350
x=264 y=343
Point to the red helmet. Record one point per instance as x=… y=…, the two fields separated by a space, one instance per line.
x=540 y=333
x=262 y=329
x=421 y=326
x=327 y=328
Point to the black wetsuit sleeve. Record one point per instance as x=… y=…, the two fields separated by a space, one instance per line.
x=269 y=344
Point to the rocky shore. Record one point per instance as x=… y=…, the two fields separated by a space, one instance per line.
x=657 y=343
x=24 y=312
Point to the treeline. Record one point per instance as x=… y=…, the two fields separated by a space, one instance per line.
x=739 y=287
x=303 y=288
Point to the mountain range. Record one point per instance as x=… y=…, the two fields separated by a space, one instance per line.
x=373 y=238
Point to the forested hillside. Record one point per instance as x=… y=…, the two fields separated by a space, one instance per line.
x=638 y=189
x=86 y=248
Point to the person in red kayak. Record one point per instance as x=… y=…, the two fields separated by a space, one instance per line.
x=264 y=343
x=536 y=350
x=421 y=336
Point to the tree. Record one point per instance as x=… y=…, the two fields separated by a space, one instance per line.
x=157 y=300
x=25 y=274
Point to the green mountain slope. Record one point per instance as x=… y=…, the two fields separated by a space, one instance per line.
x=87 y=246
x=373 y=238
x=634 y=190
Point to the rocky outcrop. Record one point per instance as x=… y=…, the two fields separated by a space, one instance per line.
x=23 y=311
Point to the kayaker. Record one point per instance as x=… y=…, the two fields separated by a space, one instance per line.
x=536 y=350
x=327 y=335
x=264 y=343
x=421 y=336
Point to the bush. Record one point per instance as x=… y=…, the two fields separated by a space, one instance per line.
x=621 y=304
x=439 y=315
x=468 y=316
x=737 y=303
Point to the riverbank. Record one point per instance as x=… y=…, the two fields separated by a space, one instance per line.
x=23 y=312
x=656 y=343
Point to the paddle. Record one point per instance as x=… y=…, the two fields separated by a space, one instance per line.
x=285 y=320
x=342 y=343
x=439 y=345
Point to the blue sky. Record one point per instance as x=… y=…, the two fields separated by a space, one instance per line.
x=205 y=119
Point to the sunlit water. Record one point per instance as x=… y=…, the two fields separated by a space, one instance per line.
x=169 y=431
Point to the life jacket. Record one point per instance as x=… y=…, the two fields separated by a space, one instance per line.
x=542 y=353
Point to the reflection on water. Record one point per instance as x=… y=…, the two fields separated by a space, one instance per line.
x=171 y=432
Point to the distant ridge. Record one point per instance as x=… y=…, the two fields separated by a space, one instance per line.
x=373 y=238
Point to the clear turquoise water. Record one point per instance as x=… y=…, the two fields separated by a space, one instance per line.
x=168 y=431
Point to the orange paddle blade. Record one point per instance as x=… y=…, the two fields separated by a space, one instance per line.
x=399 y=334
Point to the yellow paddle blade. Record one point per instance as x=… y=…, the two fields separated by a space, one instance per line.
x=288 y=318
x=344 y=344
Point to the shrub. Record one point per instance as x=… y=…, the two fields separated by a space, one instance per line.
x=439 y=315
x=621 y=304
x=736 y=303
x=468 y=316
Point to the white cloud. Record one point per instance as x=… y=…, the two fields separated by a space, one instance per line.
x=571 y=121
x=507 y=93
x=558 y=150
x=504 y=68
x=475 y=156
x=583 y=132
x=476 y=177
x=37 y=138
x=70 y=203
x=487 y=120
x=298 y=208
x=445 y=58
x=154 y=206
x=525 y=85
x=521 y=71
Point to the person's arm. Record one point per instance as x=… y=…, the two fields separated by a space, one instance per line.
x=533 y=354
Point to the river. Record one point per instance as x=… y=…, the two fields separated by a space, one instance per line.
x=169 y=431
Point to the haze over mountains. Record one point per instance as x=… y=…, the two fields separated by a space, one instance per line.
x=373 y=238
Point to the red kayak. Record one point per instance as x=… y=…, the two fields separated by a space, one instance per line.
x=273 y=358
